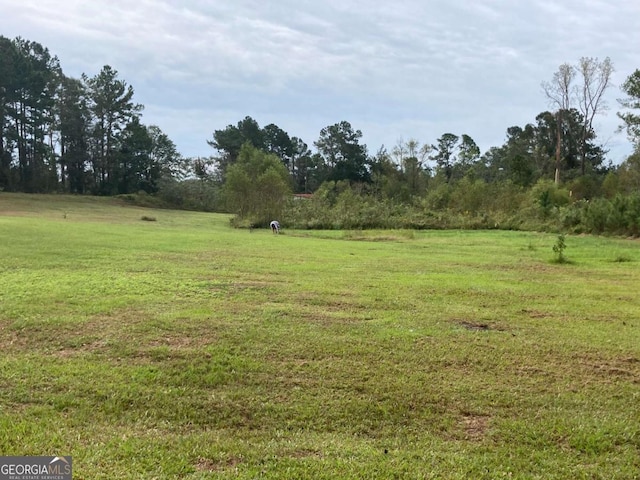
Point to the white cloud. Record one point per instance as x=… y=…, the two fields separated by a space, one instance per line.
x=406 y=69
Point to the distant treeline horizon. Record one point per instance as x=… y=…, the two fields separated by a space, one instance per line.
x=85 y=136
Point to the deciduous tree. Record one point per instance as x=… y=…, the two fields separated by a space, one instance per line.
x=631 y=104
x=412 y=158
x=257 y=185
x=165 y=155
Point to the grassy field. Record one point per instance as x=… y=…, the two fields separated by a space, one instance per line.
x=164 y=344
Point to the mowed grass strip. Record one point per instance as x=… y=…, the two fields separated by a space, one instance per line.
x=182 y=348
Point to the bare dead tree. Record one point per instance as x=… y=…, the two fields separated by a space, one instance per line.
x=596 y=78
x=399 y=152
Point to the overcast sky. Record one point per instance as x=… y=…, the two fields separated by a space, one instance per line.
x=393 y=69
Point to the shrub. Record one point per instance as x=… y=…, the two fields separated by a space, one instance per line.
x=559 y=248
x=570 y=216
x=584 y=187
x=505 y=206
x=191 y=194
x=546 y=196
x=142 y=199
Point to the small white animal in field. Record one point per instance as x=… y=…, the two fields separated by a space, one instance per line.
x=275 y=226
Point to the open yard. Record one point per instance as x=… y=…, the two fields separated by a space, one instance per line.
x=165 y=344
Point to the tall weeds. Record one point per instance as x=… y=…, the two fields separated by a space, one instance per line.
x=470 y=205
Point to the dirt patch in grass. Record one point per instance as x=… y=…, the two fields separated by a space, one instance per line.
x=478 y=326
x=104 y=333
x=328 y=300
x=181 y=341
x=306 y=453
x=612 y=369
x=475 y=427
x=535 y=313
x=469 y=325
x=208 y=465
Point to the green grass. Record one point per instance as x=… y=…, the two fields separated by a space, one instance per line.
x=182 y=348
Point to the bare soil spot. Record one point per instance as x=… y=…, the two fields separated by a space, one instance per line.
x=475 y=426
x=535 y=313
x=478 y=326
x=306 y=453
x=208 y=465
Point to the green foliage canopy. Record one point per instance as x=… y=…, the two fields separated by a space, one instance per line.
x=339 y=145
x=631 y=117
x=257 y=186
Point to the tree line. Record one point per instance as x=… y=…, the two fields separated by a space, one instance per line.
x=551 y=173
x=85 y=135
